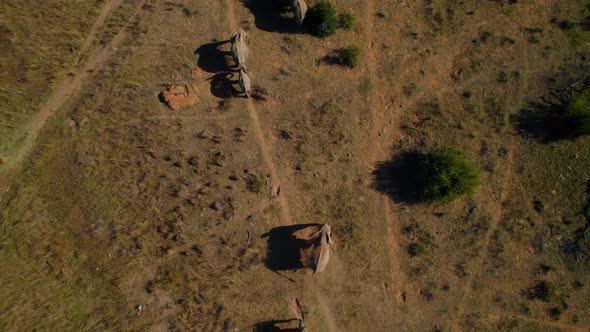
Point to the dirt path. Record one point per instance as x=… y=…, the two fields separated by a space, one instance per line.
x=69 y=87
x=326 y=311
x=379 y=150
x=108 y=7
x=279 y=192
x=496 y=207
x=281 y=195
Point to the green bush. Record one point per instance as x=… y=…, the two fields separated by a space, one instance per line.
x=444 y=174
x=322 y=19
x=346 y=20
x=570 y=119
x=544 y=291
x=349 y=56
x=416 y=249
x=577 y=116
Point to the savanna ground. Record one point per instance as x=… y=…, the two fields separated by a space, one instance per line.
x=118 y=213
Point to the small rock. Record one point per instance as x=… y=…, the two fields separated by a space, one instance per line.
x=139 y=309
x=538 y=205
x=193 y=161
x=285 y=134
x=201 y=298
x=228 y=324
x=203 y=134
x=217 y=205
x=457 y=74
x=381 y=14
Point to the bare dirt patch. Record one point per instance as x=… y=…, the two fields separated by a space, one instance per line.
x=178 y=96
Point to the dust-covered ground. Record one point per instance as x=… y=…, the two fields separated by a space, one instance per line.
x=119 y=213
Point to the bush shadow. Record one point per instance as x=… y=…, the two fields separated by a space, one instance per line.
x=272 y=16
x=271 y=326
x=211 y=58
x=543 y=122
x=396 y=178
x=284 y=248
x=331 y=59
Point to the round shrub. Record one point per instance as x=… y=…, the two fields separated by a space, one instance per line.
x=444 y=174
x=416 y=249
x=349 y=56
x=545 y=291
x=346 y=20
x=322 y=19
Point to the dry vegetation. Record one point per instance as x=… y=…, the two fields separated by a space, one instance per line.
x=128 y=215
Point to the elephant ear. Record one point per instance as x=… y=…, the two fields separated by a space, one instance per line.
x=306 y=257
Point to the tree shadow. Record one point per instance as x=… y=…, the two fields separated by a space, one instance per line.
x=284 y=247
x=222 y=85
x=545 y=122
x=211 y=58
x=550 y=118
x=272 y=16
x=272 y=326
x=397 y=179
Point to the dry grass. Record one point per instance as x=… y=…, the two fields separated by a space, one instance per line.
x=40 y=45
x=125 y=202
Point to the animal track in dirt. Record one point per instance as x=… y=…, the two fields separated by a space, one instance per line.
x=66 y=89
x=378 y=110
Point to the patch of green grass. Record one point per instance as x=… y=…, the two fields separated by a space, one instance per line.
x=576 y=117
x=574 y=30
x=416 y=249
x=322 y=19
x=349 y=56
x=445 y=174
x=544 y=291
x=346 y=20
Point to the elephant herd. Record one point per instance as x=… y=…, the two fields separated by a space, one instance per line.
x=239 y=45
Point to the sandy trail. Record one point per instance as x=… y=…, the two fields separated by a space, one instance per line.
x=496 y=208
x=326 y=311
x=108 y=7
x=379 y=150
x=281 y=195
x=69 y=87
x=278 y=192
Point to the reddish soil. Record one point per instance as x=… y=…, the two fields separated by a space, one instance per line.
x=178 y=96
